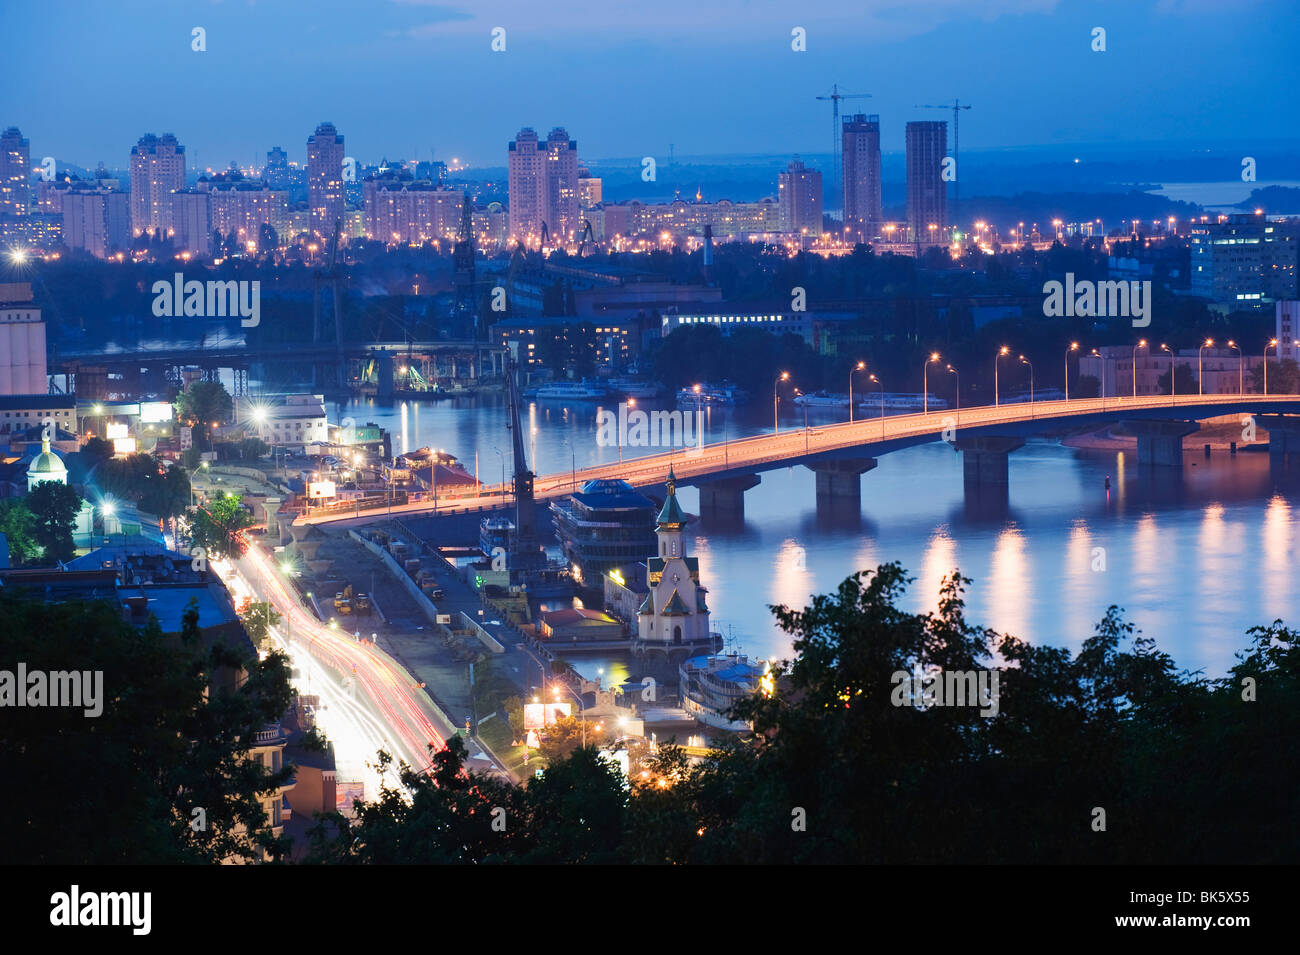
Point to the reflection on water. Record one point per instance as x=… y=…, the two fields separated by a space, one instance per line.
x=1195 y=557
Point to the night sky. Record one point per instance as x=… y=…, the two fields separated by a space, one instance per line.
x=85 y=80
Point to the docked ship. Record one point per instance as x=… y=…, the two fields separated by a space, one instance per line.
x=634 y=388
x=584 y=390
x=724 y=394
x=824 y=399
x=898 y=403
x=710 y=685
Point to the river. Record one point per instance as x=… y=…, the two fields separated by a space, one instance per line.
x=1195 y=558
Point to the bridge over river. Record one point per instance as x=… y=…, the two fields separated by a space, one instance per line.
x=839 y=454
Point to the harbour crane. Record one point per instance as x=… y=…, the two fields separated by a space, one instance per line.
x=837 y=151
x=331 y=275
x=956 y=108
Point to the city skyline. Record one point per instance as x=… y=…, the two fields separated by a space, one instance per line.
x=649 y=93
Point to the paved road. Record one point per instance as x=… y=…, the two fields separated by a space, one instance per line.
x=770 y=451
x=391 y=696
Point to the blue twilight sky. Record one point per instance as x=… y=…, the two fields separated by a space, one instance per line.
x=83 y=80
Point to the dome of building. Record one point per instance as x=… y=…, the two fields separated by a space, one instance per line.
x=46 y=466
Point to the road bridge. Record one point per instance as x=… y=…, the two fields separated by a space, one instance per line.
x=839 y=454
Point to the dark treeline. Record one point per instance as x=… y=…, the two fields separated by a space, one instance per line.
x=1111 y=754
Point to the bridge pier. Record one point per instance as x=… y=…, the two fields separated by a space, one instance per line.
x=384 y=376
x=725 y=497
x=984 y=462
x=839 y=482
x=1283 y=439
x=1160 y=443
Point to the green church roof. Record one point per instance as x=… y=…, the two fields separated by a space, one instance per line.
x=672 y=513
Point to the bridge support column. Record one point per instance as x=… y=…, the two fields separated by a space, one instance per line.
x=1160 y=443
x=984 y=461
x=384 y=375
x=840 y=482
x=725 y=497
x=1283 y=439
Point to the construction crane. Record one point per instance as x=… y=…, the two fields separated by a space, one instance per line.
x=956 y=108
x=837 y=151
x=585 y=237
x=331 y=276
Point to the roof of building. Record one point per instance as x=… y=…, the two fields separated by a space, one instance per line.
x=672 y=514
x=47 y=462
x=676 y=607
x=647 y=605
x=572 y=615
x=656 y=564
x=611 y=494
x=34 y=402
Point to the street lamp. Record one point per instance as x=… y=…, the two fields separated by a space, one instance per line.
x=1142 y=342
x=776 y=422
x=1173 y=374
x=882 y=404
x=1004 y=350
x=860 y=366
x=631 y=403
x=1241 y=368
x=954 y=371
x=1026 y=361
x=1200 y=365
x=1074 y=346
x=925 y=382
x=805 y=420
x=502 y=456
x=1272 y=343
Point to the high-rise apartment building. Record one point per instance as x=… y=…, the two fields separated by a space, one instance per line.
x=1246 y=261
x=15 y=173
x=927 y=193
x=799 y=192
x=157 y=170
x=528 y=186
x=96 y=219
x=191 y=220
x=325 y=180
x=562 y=184
x=276 y=172
x=401 y=209
x=590 y=189
x=862 y=204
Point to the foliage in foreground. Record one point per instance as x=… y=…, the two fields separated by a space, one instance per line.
x=121 y=787
x=1186 y=769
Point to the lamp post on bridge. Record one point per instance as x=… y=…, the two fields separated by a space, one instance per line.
x=1142 y=343
x=1026 y=361
x=1173 y=374
x=1272 y=343
x=776 y=422
x=1004 y=350
x=1241 y=367
x=958 y=393
x=1074 y=346
x=882 y=404
x=1200 y=365
x=860 y=366
x=925 y=382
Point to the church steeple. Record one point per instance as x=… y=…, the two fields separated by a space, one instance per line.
x=671 y=522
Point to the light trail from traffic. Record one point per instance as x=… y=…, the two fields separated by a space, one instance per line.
x=395 y=700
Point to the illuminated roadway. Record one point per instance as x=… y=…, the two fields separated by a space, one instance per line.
x=388 y=706
x=863 y=438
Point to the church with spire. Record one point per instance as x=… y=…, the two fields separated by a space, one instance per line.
x=673 y=620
